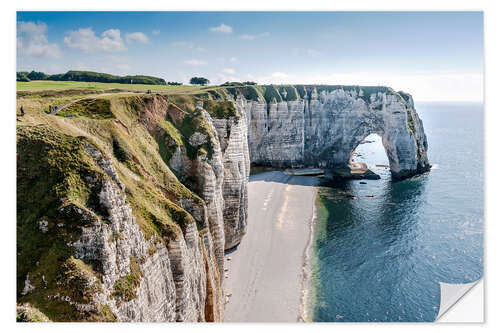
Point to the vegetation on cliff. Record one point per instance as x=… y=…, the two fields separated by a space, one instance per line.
x=98 y=108
x=52 y=188
x=54 y=192
x=125 y=287
x=222 y=109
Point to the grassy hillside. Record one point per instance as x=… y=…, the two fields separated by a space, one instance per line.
x=52 y=168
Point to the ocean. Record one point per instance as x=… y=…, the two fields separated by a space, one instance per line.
x=381 y=256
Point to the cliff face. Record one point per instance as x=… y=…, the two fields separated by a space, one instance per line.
x=125 y=208
x=324 y=127
x=233 y=136
x=106 y=231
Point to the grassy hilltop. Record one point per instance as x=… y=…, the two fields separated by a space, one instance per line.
x=63 y=85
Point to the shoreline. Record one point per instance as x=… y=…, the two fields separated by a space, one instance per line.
x=268 y=273
x=306 y=302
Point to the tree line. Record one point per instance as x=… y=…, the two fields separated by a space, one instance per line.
x=87 y=76
x=204 y=81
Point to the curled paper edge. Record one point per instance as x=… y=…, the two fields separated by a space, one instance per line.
x=451 y=294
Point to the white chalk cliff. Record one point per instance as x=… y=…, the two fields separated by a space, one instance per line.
x=177 y=274
x=323 y=129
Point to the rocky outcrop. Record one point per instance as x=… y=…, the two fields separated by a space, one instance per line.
x=172 y=282
x=220 y=171
x=276 y=133
x=233 y=137
x=101 y=263
x=324 y=126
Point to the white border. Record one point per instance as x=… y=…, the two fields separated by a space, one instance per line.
x=7 y=130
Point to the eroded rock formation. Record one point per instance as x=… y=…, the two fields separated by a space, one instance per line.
x=126 y=215
x=323 y=128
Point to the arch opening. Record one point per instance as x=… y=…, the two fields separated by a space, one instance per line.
x=370 y=155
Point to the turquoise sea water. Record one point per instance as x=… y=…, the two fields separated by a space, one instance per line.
x=381 y=258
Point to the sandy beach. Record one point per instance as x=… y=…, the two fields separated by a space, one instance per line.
x=265 y=271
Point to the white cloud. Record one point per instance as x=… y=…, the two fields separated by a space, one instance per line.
x=280 y=75
x=32 y=40
x=276 y=78
x=229 y=71
x=314 y=53
x=233 y=59
x=137 y=37
x=195 y=62
x=423 y=86
x=252 y=37
x=226 y=77
x=155 y=32
x=111 y=40
x=222 y=28
x=84 y=39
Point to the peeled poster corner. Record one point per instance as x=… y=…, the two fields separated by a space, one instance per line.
x=461 y=303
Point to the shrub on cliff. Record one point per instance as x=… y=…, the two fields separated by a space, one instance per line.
x=218 y=109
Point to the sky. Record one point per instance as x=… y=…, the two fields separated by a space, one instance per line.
x=435 y=56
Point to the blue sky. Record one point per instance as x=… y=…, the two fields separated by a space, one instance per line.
x=432 y=55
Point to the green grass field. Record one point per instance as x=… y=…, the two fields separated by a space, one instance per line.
x=62 y=85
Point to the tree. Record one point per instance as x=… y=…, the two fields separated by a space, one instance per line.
x=21 y=76
x=199 y=80
x=249 y=83
x=37 y=76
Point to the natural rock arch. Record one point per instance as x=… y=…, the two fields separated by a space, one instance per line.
x=402 y=136
x=323 y=128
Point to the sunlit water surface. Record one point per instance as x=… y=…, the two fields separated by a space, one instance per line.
x=381 y=256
